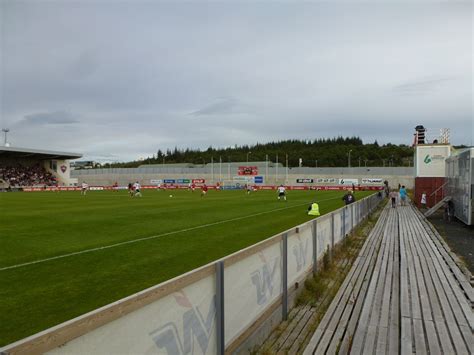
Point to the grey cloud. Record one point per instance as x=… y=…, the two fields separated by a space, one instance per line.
x=85 y=65
x=143 y=76
x=50 y=118
x=422 y=86
x=224 y=105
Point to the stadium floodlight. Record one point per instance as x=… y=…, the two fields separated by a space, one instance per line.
x=349 y=158
x=6 y=130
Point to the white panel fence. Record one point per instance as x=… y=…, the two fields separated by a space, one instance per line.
x=208 y=310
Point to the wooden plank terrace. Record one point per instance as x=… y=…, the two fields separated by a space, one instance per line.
x=403 y=295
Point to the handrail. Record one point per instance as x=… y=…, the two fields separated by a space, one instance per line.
x=435 y=191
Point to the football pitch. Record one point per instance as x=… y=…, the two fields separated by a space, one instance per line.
x=64 y=254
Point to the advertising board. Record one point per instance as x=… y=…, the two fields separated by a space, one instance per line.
x=430 y=160
x=248 y=170
x=326 y=180
x=373 y=181
x=96 y=188
x=348 y=182
x=304 y=181
x=244 y=179
x=183 y=181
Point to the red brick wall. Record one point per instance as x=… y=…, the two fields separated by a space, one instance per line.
x=428 y=185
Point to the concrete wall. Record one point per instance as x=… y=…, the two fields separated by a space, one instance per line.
x=62 y=172
x=229 y=174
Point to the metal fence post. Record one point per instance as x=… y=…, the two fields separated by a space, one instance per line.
x=284 y=307
x=344 y=222
x=352 y=217
x=315 y=246
x=332 y=231
x=359 y=214
x=357 y=209
x=220 y=307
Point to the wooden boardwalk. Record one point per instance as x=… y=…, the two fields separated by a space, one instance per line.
x=404 y=294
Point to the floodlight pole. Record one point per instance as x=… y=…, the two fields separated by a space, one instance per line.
x=349 y=158
x=266 y=167
x=286 y=180
x=212 y=169
x=276 y=170
x=5 y=130
x=220 y=169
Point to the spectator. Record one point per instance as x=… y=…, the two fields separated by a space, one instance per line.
x=393 y=197
x=423 y=200
x=348 y=198
x=403 y=195
x=27 y=176
x=313 y=209
x=449 y=210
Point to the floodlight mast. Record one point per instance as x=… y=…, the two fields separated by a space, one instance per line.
x=5 y=130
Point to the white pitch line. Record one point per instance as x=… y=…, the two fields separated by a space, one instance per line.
x=150 y=237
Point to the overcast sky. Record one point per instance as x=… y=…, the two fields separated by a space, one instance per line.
x=120 y=80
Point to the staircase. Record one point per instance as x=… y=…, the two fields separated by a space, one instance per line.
x=437 y=206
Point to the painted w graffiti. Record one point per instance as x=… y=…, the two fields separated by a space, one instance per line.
x=300 y=251
x=263 y=279
x=195 y=334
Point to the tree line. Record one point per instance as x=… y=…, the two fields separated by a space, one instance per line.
x=323 y=152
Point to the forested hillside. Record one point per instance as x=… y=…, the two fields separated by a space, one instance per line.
x=331 y=152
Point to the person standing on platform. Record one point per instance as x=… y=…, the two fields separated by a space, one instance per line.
x=393 y=197
x=423 y=200
x=403 y=195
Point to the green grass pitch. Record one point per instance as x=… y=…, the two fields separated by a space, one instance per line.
x=41 y=225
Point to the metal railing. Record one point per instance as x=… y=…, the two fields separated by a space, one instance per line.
x=435 y=193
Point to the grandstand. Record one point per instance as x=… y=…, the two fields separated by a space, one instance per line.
x=22 y=168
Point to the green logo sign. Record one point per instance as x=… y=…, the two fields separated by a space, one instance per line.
x=427 y=159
